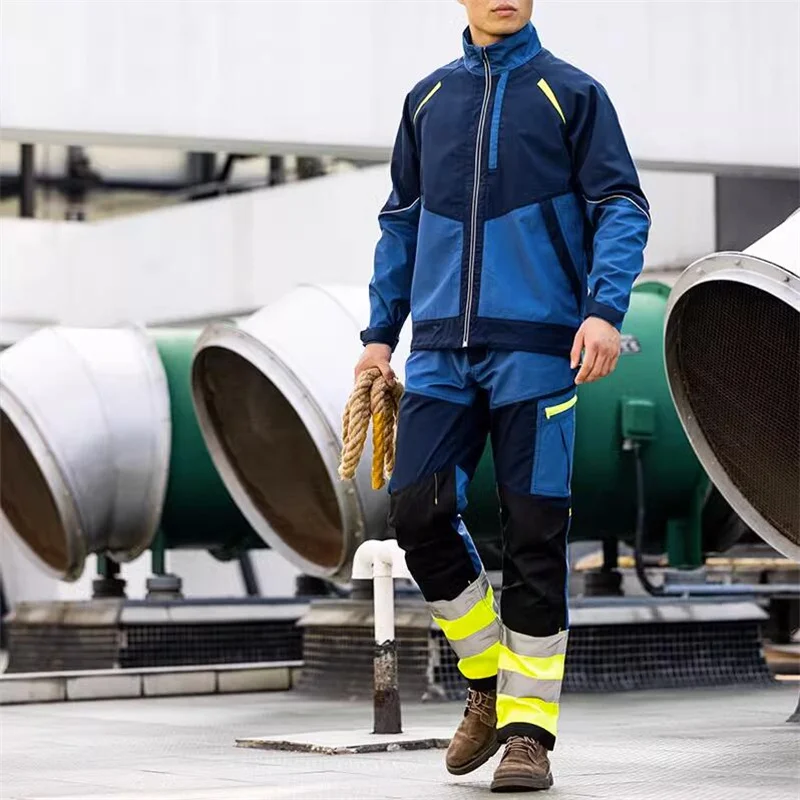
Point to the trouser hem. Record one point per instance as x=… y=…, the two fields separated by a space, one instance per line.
x=484 y=684
x=527 y=729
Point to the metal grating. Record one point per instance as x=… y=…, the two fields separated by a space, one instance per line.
x=738 y=354
x=210 y=643
x=606 y=658
x=337 y=662
x=47 y=648
x=600 y=658
x=52 y=648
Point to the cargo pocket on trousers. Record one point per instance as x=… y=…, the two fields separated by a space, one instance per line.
x=555 y=443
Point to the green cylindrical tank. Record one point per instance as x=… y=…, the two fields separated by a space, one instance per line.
x=633 y=403
x=198 y=511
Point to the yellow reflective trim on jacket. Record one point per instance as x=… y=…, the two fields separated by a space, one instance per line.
x=477 y=618
x=483 y=665
x=425 y=99
x=528 y=710
x=550 y=95
x=551 y=411
x=550 y=668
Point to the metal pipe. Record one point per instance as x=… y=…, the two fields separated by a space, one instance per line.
x=277 y=170
x=27 y=199
x=383 y=561
x=249 y=577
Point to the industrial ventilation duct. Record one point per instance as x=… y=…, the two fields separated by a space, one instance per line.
x=85 y=428
x=733 y=363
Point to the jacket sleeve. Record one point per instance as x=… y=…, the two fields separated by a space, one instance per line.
x=390 y=287
x=616 y=208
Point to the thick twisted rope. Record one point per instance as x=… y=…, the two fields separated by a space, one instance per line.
x=372 y=399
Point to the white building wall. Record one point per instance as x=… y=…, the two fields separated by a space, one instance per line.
x=226 y=255
x=695 y=82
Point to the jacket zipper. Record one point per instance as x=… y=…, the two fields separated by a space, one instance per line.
x=487 y=71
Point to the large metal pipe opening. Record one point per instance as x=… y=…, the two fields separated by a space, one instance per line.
x=733 y=360
x=28 y=501
x=269 y=394
x=84 y=419
x=272 y=454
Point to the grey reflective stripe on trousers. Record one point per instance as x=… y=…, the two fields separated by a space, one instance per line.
x=516 y=685
x=452 y=610
x=536 y=646
x=478 y=642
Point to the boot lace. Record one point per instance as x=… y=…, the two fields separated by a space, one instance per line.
x=524 y=746
x=480 y=703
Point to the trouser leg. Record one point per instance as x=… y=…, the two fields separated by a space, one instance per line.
x=439 y=445
x=533 y=444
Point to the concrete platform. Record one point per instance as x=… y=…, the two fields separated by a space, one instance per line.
x=729 y=744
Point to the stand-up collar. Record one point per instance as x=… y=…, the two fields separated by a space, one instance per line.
x=513 y=51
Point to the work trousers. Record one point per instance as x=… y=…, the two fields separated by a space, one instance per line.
x=526 y=403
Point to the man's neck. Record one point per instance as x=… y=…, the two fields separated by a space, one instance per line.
x=483 y=39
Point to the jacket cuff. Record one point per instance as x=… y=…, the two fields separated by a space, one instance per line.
x=609 y=314
x=385 y=335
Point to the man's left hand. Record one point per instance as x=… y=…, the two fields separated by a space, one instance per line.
x=600 y=342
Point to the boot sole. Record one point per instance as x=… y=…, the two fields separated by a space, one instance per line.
x=521 y=783
x=476 y=762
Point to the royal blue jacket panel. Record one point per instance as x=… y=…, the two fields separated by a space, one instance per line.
x=515 y=210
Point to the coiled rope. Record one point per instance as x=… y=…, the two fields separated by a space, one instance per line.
x=371 y=399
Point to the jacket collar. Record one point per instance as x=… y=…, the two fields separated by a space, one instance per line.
x=508 y=53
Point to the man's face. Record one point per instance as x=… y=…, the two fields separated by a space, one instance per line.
x=498 y=17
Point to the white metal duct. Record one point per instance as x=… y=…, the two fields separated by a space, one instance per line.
x=269 y=395
x=86 y=442
x=732 y=347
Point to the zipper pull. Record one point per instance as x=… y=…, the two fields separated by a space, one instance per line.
x=435 y=489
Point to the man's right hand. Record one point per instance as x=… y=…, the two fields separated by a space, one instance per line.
x=377 y=355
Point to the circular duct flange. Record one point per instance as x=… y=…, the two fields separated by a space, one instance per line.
x=732 y=349
x=85 y=444
x=269 y=395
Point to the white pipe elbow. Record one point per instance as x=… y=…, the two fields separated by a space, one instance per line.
x=379 y=559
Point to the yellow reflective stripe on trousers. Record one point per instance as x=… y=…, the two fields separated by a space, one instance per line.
x=550 y=668
x=478 y=617
x=528 y=710
x=529 y=678
x=472 y=627
x=483 y=665
x=551 y=411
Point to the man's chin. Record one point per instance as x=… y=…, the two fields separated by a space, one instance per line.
x=505 y=27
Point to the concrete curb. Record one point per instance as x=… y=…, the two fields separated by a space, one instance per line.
x=113 y=684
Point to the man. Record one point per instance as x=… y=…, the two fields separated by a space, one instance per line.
x=513 y=234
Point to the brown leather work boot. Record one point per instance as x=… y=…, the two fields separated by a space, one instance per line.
x=475 y=741
x=525 y=767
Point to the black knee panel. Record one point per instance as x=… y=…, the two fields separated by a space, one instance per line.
x=533 y=600
x=424 y=516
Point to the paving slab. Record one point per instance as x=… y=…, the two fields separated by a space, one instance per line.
x=720 y=744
